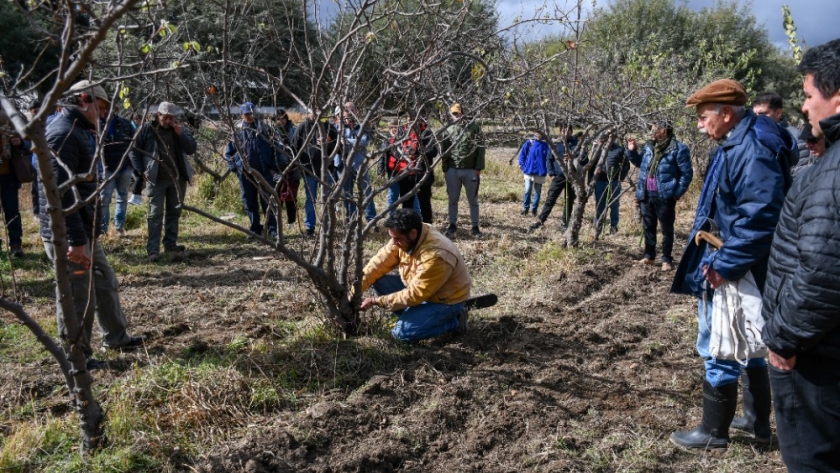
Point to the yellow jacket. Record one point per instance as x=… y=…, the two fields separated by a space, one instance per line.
x=434 y=272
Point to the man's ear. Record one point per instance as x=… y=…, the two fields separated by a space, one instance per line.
x=86 y=98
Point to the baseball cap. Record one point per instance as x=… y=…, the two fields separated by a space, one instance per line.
x=247 y=108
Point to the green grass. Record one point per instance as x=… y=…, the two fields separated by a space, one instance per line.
x=18 y=345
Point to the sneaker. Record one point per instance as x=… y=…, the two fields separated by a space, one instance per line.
x=524 y=212
x=613 y=230
x=535 y=225
x=119 y=233
x=475 y=232
x=450 y=230
x=646 y=262
x=667 y=266
x=17 y=251
x=290 y=227
x=175 y=248
x=135 y=200
x=310 y=232
x=462 y=322
x=534 y=212
x=154 y=257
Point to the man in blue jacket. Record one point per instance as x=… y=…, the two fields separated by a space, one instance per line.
x=253 y=139
x=664 y=175
x=533 y=161
x=742 y=195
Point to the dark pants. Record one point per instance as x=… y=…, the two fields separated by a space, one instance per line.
x=9 y=187
x=253 y=200
x=806 y=400
x=558 y=185
x=656 y=210
x=424 y=197
x=164 y=213
x=138 y=183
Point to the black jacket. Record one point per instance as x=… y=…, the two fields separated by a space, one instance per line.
x=71 y=142
x=801 y=304
x=617 y=165
x=311 y=152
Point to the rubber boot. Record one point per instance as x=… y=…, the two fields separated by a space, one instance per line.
x=718 y=410
x=756 y=404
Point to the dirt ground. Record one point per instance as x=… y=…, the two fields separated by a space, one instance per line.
x=586 y=365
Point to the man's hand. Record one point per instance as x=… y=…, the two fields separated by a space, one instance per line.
x=478 y=172
x=715 y=279
x=76 y=254
x=784 y=364
x=368 y=303
x=15 y=141
x=631 y=144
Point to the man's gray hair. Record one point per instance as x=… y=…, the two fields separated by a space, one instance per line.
x=738 y=110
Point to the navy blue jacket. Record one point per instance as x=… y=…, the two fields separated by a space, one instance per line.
x=801 y=305
x=673 y=175
x=617 y=165
x=554 y=168
x=71 y=143
x=118 y=136
x=743 y=194
x=255 y=141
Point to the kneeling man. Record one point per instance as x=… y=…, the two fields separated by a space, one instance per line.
x=433 y=283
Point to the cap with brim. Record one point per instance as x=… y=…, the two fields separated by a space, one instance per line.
x=456 y=108
x=247 y=108
x=807 y=133
x=724 y=91
x=87 y=87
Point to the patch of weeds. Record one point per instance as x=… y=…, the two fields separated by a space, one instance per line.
x=238 y=344
x=34 y=443
x=264 y=395
x=19 y=345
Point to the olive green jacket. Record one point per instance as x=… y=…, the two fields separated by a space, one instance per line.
x=463 y=146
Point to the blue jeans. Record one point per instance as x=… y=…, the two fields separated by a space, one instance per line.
x=536 y=189
x=119 y=184
x=718 y=372
x=806 y=400
x=602 y=197
x=422 y=321
x=253 y=200
x=350 y=196
x=310 y=190
x=9 y=187
x=394 y=195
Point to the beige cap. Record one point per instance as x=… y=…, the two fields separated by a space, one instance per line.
x=87 y=87
x=167 y=108
x=456 y=108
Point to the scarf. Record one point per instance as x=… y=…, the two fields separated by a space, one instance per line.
x=659 y=150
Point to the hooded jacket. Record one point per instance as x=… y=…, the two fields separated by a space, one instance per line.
x=255 y=141
x=533 y=157
x=801 y=305
x=743 y=194
x=434 y=271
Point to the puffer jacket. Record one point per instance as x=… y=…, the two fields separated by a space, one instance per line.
x=801 y=305
x=145 y=156
x=119 y=133
x=434 y=271
x=462 y=146
x=743 y=194
x=257 y=144
x=673 y=175
x=71 y=143
x=533 y=157
x=617 y=165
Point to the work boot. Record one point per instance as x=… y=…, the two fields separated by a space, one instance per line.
x=755 y=402
x=475 y=231
x=535 y=225
x=718 y=410
x=463 y=317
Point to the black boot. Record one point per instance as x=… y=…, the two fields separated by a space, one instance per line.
x=756 y=404
x=718 y=410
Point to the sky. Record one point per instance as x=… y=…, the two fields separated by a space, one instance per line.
x=815 y=19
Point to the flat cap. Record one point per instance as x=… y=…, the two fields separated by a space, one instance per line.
x=725 y=91
x=87 y=87
x=167 y=108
